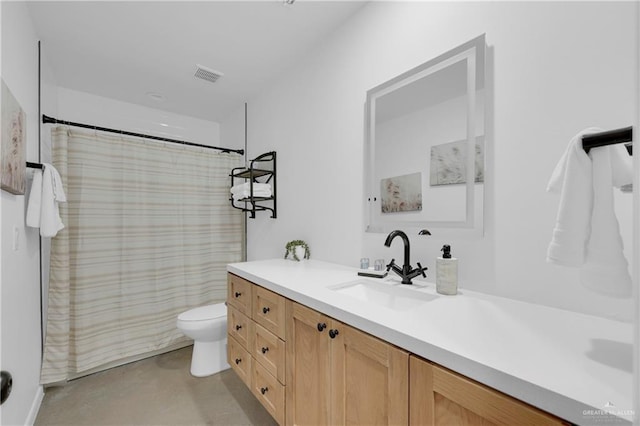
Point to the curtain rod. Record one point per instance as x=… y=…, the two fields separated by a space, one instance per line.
x=47 y=120
x=610 y=137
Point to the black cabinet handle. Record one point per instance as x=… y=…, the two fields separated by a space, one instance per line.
x=321 y=326
x=238 y=327
x=238 y=361
x=265 y=350
x=333 y=333
x=265 y=310
x=263 y=390
x=238 y=294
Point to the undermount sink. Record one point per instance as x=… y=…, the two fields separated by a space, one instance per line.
x=387 y=294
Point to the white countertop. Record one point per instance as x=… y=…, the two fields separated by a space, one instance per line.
x=576 y=366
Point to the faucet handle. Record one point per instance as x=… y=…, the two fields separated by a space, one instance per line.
x=421 y=269
x=391 y=264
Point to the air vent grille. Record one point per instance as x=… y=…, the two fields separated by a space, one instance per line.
x=207 y=74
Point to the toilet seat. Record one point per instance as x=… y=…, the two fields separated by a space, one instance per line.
x=204 y=313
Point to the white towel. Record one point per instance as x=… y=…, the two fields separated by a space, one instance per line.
x=46 y=193
x=35 y=200
x=244 y=190
x=587 y=234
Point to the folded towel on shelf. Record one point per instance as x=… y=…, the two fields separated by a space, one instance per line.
x=244 y=190
x=587 y=234
x=46 y=193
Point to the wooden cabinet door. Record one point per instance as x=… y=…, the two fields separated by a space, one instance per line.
x=369 y=379
x=240 y=360
x=442 y=397
x=239 y=293
x=268 y=350
x=269 y=310
x=240 y=327
x=307 y=366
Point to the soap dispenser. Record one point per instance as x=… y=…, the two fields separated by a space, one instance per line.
x=446 y=272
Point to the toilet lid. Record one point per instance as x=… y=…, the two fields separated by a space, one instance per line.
x=204 y=312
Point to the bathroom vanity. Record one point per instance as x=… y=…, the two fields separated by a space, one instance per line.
x=317 y=344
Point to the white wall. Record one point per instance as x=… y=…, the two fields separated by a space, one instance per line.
x=20 y=285
x=558 y=68
x=104 y=112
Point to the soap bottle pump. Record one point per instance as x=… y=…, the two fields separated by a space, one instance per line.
x=446 y=272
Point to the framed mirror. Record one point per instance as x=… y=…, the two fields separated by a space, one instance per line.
x=420 y=127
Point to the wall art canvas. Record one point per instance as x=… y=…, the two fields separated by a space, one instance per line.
x=12 y=143
x=448 y=162
x=401 y=193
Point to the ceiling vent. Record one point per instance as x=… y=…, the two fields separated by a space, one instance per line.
x=207 y=74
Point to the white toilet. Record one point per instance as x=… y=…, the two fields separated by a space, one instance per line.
x=207 y=326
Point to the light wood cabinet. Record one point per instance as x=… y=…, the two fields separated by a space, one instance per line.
x=239 y=360
x=239 y=294
x=240 y=327
x=308 y=366
x=269 y=392
x=269 y=310
x=442 y=397
x=338 y=375
x=255 y=345
x=309 y=369
x=369 y=380
x=269 y=351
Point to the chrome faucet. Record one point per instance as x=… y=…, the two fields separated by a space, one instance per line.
x=406 y=273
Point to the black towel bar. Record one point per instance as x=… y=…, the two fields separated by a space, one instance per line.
x=610 y=137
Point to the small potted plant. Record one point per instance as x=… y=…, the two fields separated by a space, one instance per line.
x=298 y=250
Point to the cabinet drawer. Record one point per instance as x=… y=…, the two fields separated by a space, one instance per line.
x=269 y=310
x=240 y=327
x=240 y=360
x=269 y=392
x=269 y=350
x=239 y=294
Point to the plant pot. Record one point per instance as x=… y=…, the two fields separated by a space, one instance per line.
x=300 y=252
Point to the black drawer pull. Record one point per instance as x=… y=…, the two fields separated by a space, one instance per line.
x=265 y=310
x=321 y=326
x=265 y=350
x=238 y=294
x=263 y=390
x=333 y=333
x=238 y=361
x=238 y=327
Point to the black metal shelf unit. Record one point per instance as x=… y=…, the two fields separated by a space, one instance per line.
x=262 y=169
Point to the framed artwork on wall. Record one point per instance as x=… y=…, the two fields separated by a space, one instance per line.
x=12 y=143
x=448 y=163
x=401 y=193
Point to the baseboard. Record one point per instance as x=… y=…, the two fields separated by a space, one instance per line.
x=35 y=407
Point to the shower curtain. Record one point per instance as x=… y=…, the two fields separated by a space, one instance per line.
x=148 y=234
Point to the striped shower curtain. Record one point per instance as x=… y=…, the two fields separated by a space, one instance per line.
x=149 y=232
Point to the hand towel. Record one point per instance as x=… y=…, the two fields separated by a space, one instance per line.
x=35 y=200
x=587 y=234
x=572 y=177
x=605 y=269
x=46 y=192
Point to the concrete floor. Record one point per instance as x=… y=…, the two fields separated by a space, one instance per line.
x=153 y=391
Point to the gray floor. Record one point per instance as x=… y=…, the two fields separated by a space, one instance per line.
x=154 y=391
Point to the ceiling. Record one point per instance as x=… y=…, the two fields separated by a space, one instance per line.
x=126 y=50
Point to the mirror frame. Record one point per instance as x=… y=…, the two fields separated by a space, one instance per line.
x=473 y=52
